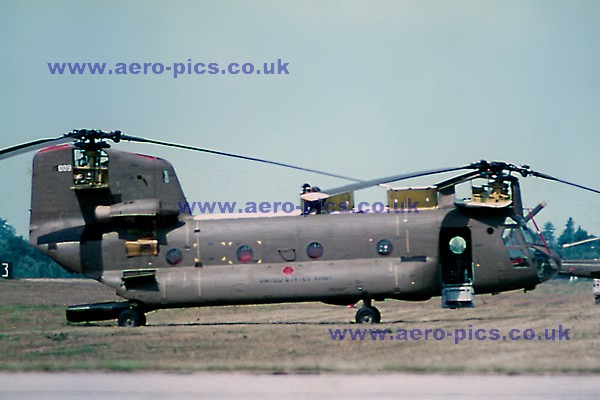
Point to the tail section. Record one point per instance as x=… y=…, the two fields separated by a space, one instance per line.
x=86 y=198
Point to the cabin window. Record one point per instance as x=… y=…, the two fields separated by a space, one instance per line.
x=314 y=250
x=174 y=256
x=385 y=247
x=457 y=244
x=244 y=254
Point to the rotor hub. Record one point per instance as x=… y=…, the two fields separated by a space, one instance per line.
x=94 y=138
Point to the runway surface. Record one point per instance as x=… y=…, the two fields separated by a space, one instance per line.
x=92 y=386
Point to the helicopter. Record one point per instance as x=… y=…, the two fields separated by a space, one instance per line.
x=116 y=217
x=583 y=268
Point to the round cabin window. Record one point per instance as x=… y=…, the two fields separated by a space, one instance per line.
x=244 y=253
x=174 y=256
x=314 y=250
x=458 y=245
x=385 y=247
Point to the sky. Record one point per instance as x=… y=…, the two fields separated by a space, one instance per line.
x=373 y=89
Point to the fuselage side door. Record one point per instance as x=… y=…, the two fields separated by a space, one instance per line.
x=456 y=263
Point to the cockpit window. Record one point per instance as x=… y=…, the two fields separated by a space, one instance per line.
x=529 y=236
x=515 y=237
x=518 y=258
x=510 y=236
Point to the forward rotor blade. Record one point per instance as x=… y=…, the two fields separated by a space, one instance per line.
x=33 y=145
x=373 y=182
x=222 y=153
x=553 y=178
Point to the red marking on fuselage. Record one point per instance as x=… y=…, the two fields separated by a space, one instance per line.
x=54 y=148
x=147 y=156
x=288 y=270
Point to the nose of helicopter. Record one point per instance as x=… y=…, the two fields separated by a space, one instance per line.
x=547 y=263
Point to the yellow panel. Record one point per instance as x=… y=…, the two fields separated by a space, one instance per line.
x=142 y=247
x=341 y=202
x=425 y=196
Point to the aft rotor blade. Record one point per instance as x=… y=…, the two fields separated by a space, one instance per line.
x=393 y=178
x=553 y=178
x=222 y=153
x=33 y=145
x=535 y=211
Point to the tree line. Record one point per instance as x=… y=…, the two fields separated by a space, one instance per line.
x=585 y=251
x=27 y=261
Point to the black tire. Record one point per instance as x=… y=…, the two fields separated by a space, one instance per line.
x=131 y=318
x=597 y=297
x=368 y=315
x=377 y=314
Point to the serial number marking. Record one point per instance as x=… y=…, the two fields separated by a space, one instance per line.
x=296 y=279
x=64 y=168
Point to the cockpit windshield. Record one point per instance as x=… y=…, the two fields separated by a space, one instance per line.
x=518 y=239
x=530 y=236
x=525 y=249
x=515 y=234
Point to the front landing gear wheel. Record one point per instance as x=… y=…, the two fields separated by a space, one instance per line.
x=132 y=318
x=368 y=315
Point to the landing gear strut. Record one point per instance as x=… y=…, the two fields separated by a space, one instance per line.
x=368 y=314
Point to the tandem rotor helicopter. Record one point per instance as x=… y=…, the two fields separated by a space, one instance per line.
x=583 y=268
x=115 y=216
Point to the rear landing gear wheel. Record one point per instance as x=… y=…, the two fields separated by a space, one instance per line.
x=368 y=315
x=132 y=318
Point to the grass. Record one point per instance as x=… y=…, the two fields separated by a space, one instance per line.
x=35 y=336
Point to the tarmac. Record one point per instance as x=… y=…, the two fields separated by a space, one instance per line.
x=225 y=386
